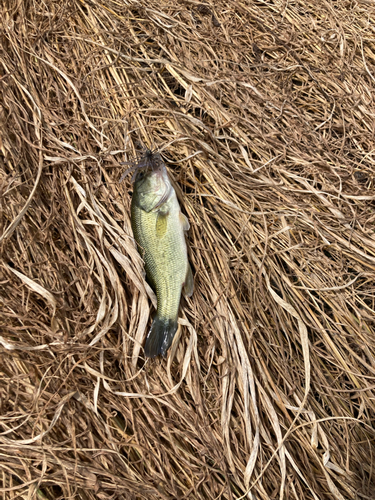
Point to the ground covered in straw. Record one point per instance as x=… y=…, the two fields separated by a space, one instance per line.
x=264 y=113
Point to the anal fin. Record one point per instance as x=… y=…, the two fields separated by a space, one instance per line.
x=189 y=283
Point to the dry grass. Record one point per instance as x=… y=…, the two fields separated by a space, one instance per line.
x=265 y=112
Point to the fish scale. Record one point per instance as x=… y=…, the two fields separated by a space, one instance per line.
x=165 y=258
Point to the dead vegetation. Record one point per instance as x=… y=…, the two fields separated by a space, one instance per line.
x=264 y=111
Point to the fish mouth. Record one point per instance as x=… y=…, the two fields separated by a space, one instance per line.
x=150 y=161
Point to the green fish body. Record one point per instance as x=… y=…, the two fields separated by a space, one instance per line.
x=158 y=227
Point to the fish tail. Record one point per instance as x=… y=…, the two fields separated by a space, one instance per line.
x=160 y=336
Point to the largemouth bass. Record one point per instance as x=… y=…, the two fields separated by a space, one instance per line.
x=158 y=226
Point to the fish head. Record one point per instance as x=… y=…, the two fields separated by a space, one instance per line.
x=152 y=186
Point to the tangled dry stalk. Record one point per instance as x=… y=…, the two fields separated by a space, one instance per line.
x=264 y=111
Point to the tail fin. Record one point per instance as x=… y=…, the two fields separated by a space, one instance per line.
x=160 y=336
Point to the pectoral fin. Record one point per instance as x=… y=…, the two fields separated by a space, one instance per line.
x=189 y=283
x=184 y=222
x=161 y=224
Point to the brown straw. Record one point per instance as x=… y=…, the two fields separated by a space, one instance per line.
x=264 y=114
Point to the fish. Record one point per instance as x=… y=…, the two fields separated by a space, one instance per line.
x=159 y=229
